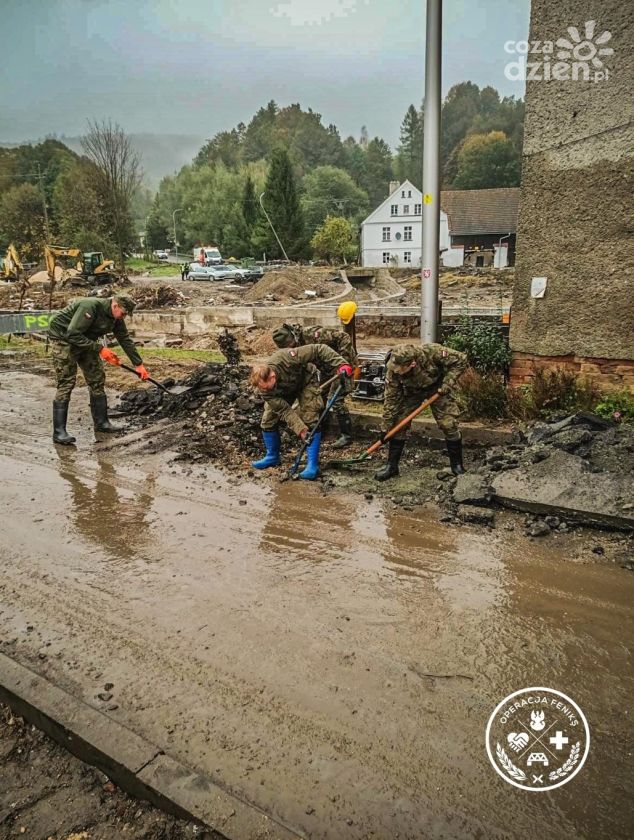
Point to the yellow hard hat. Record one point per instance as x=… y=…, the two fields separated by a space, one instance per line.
x=346 y=311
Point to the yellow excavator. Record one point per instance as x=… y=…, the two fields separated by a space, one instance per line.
x=12 y=267
x=91 y=265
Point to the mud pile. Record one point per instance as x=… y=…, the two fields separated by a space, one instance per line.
x=291 y=283
x=220 y=413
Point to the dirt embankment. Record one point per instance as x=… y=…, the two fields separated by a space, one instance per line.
x=47 y=793
x=295 y=283
x=465 y=287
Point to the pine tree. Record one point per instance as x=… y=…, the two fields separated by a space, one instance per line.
x=282 y=204
x=409 y=162
x=249 y=203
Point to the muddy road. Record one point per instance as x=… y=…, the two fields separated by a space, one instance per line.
x=330 y=659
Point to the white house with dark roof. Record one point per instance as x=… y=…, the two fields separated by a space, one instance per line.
x=476 y=226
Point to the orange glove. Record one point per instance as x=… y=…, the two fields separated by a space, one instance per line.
x=142 y=371
x=109 y=356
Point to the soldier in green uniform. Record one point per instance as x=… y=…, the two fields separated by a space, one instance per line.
x=295 y=335
x=74 y=334
x=413 y=374
x=289 y=375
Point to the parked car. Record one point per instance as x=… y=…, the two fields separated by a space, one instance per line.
x=200 y=272
x=161 y=255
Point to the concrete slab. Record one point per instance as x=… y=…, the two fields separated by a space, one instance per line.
x=563 y=485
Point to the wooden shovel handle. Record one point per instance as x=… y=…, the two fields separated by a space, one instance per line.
x=401 y=425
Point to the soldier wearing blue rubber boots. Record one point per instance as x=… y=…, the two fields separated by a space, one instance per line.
x=289 y=375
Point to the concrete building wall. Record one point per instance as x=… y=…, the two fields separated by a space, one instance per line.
x=576 y=221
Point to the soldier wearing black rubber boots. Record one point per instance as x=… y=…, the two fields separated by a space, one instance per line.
x=413 y=374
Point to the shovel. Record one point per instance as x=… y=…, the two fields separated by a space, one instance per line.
x=393 y=431
x=292 y=473
x=174 y=391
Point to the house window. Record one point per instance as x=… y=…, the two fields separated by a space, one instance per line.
x=409 y=193
x=407 y=257
x=407 y=233
x=406 y=209
x=386 y=234
x=402 y=193
x=386 y=257
x=418 y=209
x=394 y=210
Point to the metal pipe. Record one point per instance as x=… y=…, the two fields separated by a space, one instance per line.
x=431 y=174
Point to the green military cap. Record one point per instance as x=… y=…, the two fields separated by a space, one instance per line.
x=284 y=336
x=126 y=303
x=403 y=354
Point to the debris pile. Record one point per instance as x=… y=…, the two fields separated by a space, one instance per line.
x=220 y=413
x=157 y=297
x=229 y=347
x=291 y=283
x=578 y=468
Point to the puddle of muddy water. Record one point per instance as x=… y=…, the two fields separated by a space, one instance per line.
x=332 y=659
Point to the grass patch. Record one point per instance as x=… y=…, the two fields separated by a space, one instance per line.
x=175 y=353
x=154 y=269
x=28 y=346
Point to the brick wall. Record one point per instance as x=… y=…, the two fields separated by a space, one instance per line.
x=609 y=374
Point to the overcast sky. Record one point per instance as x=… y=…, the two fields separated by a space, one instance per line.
x=200 y=66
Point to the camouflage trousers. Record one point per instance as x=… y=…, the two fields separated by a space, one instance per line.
x=446 y=411
x=339 y=407
x=66 y=359
x=309 y=406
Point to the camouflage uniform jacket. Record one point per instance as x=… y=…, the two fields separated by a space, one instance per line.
x=85 y=320
x=295 y=369
x=337 y=340
x=436 y=366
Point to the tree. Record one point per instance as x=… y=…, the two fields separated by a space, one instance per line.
x=80 y=220
x=22 y=220
x=459 y=109
x=335 y=240
x=409 y=160
x=118 y=174
x=282 y=204
x=487 y=160
x=378 y=174
x=249 y=203
x=157 y=235
x=327 y=190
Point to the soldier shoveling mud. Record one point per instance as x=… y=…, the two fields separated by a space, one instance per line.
x=414 y=374
x=74 y=334
x=295 y=335
x=287 y=376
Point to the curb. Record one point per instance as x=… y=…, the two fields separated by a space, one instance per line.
x=137 y=766
x=425 y=427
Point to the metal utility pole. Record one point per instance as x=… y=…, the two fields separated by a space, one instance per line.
x=41 y=185
x=431 y=174
x=272 y=228
x=178 y=210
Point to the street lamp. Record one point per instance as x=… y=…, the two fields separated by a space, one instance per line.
x=178 y=210
x=272 y=228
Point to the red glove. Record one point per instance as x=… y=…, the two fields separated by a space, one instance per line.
x=345 y=372
x=303 y=434
x=109 y=356
x=142 y=371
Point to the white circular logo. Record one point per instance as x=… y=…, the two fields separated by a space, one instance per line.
x=537 y=739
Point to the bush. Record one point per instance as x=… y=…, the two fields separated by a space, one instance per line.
x=617 y=405
x=561 y=390
x=485 y=347
x=484 y=396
